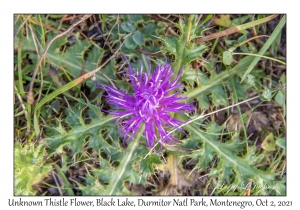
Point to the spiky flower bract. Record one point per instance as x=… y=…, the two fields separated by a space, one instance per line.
x=155 y=97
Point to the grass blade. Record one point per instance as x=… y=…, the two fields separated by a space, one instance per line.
x=64 y=179
x=235 y=29
x=266 y=46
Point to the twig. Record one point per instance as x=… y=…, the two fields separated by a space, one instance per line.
x=149 y=53
x=229 y=31
x=75 y=82
x=17 y=18
x=197 y=118
x=22 y=24
x=45 y=26
x=46 y=49
x=106 y=40
x=117 y=22
x=169 y=29
x=56 y=182
x=21 y=102
x=198 y=20
x=34 y=41
x=65 y=18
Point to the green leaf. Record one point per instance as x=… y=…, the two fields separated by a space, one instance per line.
x=29 y=167
x=138 y=38
x=250 y=80
x=80 y=132
x=170 y=44
x=147 y=164
x=189 y=75
x=92 y=188
x=229 y=42
x=280 y=98
x=149 y=30
x=266 y=94
x=276 y=43
x=281 y=143
x=73 y=59
x=241 y=20
x=94 y=57
x=181 y=47
x=26 y=43
x=241 y=90
x=244 y=49
x=227 y=57
x=190 y=143
x=269 y=144
x=130 y=43
x=218 y=95
x=283 y=79
x=135 y=18
x=56 y=16
x=203 y=100
x=230 y=166
x=128 y=26
x=192 y=53
x=204 y=155
x=124 y=170
x=281 y=188
x=242 y=38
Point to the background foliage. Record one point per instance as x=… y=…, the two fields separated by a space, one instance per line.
x=64 y=136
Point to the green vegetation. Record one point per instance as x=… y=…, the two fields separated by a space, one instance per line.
x=66 y=142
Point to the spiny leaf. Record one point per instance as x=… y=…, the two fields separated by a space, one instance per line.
x=147 y=164
x=228 y=160
x=75 y=138
x=131 y=167
x=211 y=90
x=181 y=47
x=123 y=171
x=29 y=161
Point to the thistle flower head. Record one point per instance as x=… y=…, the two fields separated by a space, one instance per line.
x=155 y=97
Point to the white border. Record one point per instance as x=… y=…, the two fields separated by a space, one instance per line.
x=8 y=8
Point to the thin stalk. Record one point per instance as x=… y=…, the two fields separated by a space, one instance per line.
x=240 y=113
x=235 y=29
x=43 y=32
x=181 y=47
x=273 y=59
x=64 y=179
x=126 y=161
x=197 y=118
x=47 y=48
x=20 y=76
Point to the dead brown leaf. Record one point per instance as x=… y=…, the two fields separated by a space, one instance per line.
x=178 y=181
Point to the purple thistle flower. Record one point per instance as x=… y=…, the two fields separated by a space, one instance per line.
x=154 y=97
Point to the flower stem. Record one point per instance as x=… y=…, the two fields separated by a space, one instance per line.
x=124 y=165
x=181 y=45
